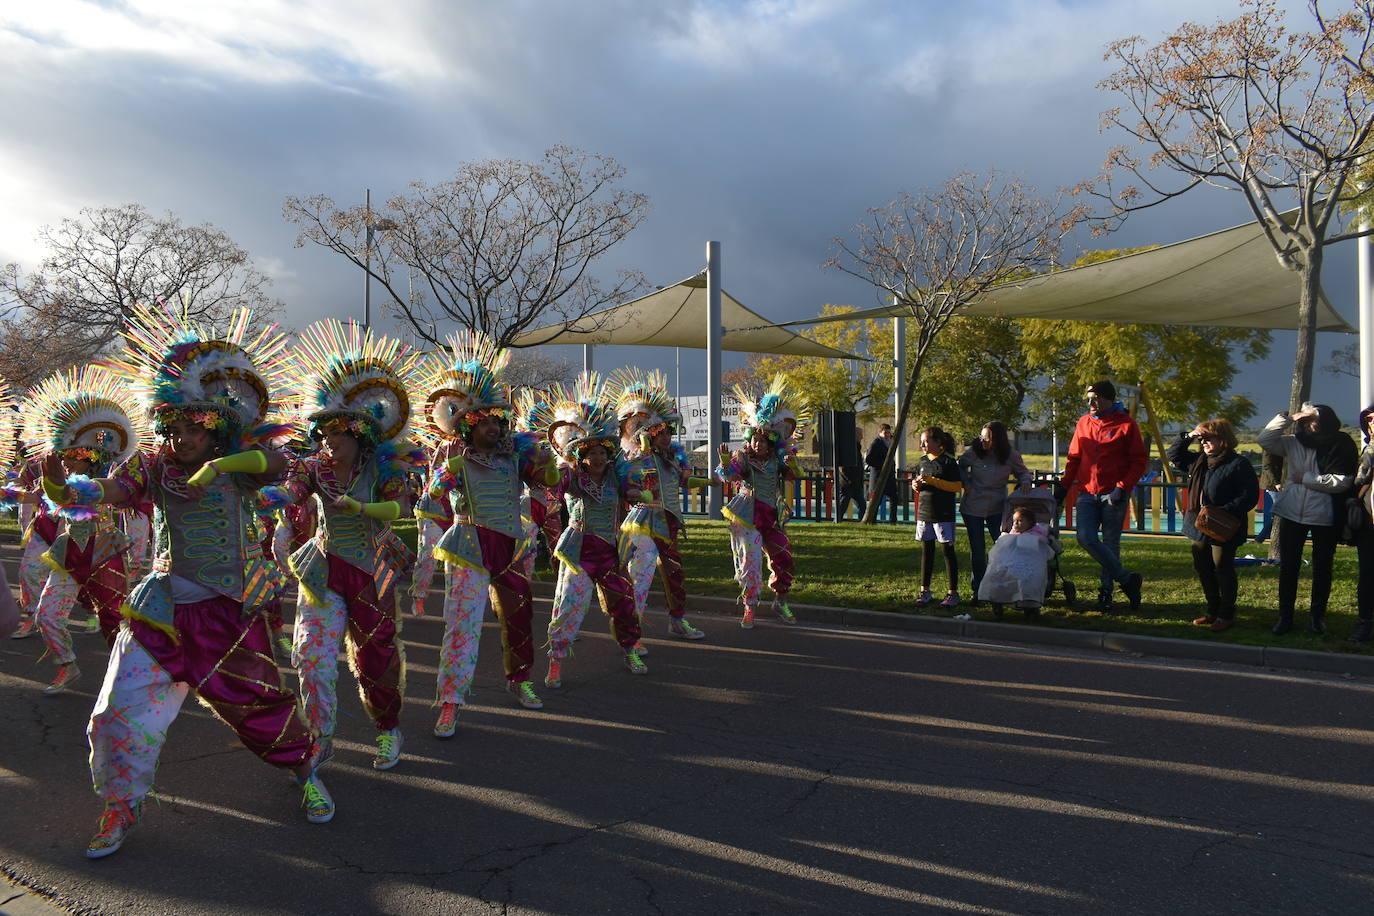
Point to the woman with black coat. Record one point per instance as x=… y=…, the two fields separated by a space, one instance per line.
x=1320 y=462
x=1364 y=539
x=1218 y=478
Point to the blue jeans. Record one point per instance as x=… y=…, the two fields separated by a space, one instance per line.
x=1092 y=513
x=977 y=544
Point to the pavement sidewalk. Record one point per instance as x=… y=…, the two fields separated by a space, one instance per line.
x=1196 y=649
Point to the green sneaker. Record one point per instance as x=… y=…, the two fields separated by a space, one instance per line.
x=525 y=695
x=315 y=799
x=634 y=664
x=114 y=825
x=784 y=612
x=388 y=749
x=680 y=628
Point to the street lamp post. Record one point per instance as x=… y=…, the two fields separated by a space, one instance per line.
x=381 y=225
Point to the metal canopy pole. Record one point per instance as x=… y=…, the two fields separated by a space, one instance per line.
x=367 y=255
x=898 y=395
x=587 y=358
x=713 y=329
x=1362 y=245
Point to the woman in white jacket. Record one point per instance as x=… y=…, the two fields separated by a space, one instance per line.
x=1319 y=463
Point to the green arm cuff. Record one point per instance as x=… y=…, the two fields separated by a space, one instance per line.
x=383 y=512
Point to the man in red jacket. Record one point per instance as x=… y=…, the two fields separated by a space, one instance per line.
x=1106 y=459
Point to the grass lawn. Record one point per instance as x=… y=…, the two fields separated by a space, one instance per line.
x=876 y=567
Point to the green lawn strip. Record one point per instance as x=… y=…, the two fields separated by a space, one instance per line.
x=876 y=567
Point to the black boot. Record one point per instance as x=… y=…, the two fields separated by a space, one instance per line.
x=1318 y=626
x=1364 y=630
x=1104 y=602
x=1284 y=625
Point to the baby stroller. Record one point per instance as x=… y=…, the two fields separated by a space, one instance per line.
x=1041 y=503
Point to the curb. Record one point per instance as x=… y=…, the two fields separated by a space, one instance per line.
x=1164 y=646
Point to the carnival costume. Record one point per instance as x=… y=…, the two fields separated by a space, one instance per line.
x=84 y=414
x=758 y=512
x=650 y=532
x=485 y=546
x=575 y=419
x=41 y=528
x=194 y=622
x=432 y=518
x=355 y=383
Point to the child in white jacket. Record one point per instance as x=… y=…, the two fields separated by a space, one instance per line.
x=1018 y=566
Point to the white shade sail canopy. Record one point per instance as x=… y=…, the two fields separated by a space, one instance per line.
x=675 y=316
x=1228 y=279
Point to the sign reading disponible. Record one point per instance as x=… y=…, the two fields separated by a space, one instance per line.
x=694 y=419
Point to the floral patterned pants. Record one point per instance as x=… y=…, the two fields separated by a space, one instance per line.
x=600 y=571
x=749 y=544
x=376 y=653
x=221 y=655
x=466 y=602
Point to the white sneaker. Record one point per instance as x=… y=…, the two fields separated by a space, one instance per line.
x=315 y=799
x=388 y=749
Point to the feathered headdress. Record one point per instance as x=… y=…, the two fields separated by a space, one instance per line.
x=642 y=403
x=226 y=382
x=778 y=413
x=9 y=426
x=464 y=384
x=347 y=378
x=85 y=413
x=573 y=417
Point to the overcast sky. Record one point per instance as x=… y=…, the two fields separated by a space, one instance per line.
x=770 y=126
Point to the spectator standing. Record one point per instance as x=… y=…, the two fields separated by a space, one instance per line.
x=851 y=482
x=873 y=460
x=1364 y=540
x=1218 y=478
x=937 y=482
x=1106 y=459
x=985 y=466
x=1321 y=461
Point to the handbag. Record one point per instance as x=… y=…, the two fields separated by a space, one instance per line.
x=1353 y=520
x=1217 y=524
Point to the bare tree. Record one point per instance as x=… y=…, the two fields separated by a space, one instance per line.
x=1282 y=117
x=938 y=250
x=1344 y=361
x=504 y=246
x=72 y=307
x=536 y=369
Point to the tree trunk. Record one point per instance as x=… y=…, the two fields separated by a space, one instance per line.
x=1305 y=359
x=899 y=430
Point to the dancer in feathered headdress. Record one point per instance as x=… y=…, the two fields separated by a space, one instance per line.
x=648 y=417
x=86 y=419
x=355 y=390
x=484 y=466
x=432 y=516
x=545 y=510
x=580 y=425
x=195 y=621
x=773 y=424
x=41 y=525
x=11 y=618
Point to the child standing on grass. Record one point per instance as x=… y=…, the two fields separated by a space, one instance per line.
x=936 y=484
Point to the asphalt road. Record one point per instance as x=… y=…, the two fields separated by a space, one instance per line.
x=779 y=770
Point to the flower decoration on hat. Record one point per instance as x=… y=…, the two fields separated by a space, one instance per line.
x=465 y=385
x=778 y=414
x=348 y=379
x=85 y=413
x=225 y=381
x=643 y=406
x=574 y=417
